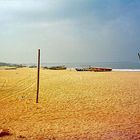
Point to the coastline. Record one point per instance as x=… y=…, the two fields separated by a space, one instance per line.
x=73 y=68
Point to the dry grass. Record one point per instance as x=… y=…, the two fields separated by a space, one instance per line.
x=72 y=105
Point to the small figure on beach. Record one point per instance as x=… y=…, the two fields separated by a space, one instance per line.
x=139 y=55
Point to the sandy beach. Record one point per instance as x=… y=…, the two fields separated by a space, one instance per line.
x=72 y=105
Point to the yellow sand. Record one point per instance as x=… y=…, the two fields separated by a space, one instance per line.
x=72 y=105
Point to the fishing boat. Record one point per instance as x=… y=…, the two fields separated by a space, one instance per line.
x=82 y=69
x=98 y=69
x=95 y=69
x=58 y=68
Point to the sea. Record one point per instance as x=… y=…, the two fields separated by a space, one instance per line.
x=116 y=66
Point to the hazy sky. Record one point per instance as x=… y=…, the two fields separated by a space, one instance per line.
x=69 y=30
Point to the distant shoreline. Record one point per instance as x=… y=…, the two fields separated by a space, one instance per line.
x=116 y=66
x=70 y=69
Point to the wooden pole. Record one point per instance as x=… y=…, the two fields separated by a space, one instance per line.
x=38 y=75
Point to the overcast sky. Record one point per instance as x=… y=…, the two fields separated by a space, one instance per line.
x=69 y=30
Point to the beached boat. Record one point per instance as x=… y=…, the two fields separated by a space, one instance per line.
x=58 y=68
x=95 y=69
x=83 y=69
x=98 y=69
x=33 y=66
x=78 y=69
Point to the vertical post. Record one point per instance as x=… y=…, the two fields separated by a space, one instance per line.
x=38 y=75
